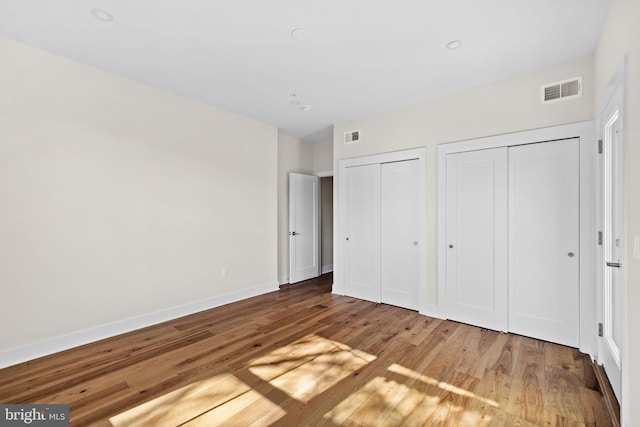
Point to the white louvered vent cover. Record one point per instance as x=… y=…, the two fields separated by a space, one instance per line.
x=351 y=136
x=570 y=88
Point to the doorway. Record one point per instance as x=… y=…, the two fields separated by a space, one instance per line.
x=304 y=227
x=310 y=226
x=326 y=224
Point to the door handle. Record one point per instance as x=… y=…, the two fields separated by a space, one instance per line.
x=613 y=264
x=293 y=233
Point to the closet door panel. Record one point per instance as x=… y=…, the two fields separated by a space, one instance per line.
x=362 y=263
x=477 y=238
x=400 y=233
x=544 y=241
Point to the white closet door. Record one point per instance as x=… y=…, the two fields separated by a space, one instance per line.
x=400 y=233
x=543 y=241
x=362 y=242
x=477 y=238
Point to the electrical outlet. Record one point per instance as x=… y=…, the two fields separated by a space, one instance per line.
x=223 y=272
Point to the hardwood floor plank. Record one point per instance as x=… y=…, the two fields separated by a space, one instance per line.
x=593 y=409
x=448 y=356
x=88 y=393
x=505 y=363
x=426 y=350
x=108 y=408
x=527 y=399
x=302 y=356
x=417 y=328
x=490 y=396
x=338 y=405
x=86 y=356
x=562 y=396
x=38 y=387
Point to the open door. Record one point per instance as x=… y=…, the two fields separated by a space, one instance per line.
x=611 y=280
x=304 y=227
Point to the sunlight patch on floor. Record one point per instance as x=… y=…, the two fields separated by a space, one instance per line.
x=309 y=366
x=297 y=371
x=398 y=369
x=246 y=410
x=378 y=397
x=183 y=404
x=385 y=401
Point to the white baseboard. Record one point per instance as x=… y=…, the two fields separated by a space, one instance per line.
x=53 y=345
x=283 y=280
x=327 y=269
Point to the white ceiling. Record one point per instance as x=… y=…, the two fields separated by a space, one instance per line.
x=360 y=56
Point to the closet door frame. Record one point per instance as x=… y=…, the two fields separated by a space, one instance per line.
x=587 y=147
x=419 y=154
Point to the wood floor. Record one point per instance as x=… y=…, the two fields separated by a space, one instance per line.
x=305 y=357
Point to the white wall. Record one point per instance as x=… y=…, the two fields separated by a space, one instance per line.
x=620 y=37
x=120 y=200
x=323 y=156
x=293 y=156
x=502 y=107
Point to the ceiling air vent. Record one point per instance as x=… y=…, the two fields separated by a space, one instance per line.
x=565 y=89
x=351 y=136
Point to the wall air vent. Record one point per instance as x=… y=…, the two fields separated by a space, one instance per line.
x=351 y=136
x=565 y=89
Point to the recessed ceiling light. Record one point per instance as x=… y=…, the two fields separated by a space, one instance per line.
x=102 y=15
x=454 y=44
x=305 y=108
x=299 y=34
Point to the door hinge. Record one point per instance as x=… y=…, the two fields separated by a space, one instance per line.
x=599 y=238
x=599 y=146
x=600 y=329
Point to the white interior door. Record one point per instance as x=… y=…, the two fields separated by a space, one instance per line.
x=476 y=234
x=544 y=241
x=400 y=216
x=362 y=240
x=304 y=227
x=610 y=344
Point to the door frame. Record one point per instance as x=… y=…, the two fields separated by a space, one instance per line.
x=417 y=153
x=585 y=132
x=616 y=87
